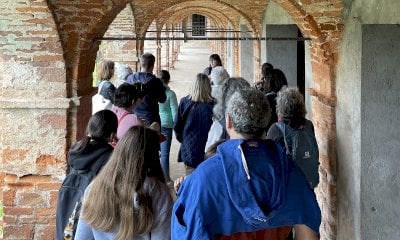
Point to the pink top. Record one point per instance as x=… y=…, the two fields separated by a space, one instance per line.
x=125 y=121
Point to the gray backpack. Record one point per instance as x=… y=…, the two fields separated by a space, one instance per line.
x=302 y=147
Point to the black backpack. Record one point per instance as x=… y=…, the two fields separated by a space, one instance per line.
x=70 y=196
x=302 y=147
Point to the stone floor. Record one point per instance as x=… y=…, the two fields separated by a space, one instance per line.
x=192 y=59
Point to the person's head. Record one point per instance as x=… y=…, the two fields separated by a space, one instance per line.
x=218 y=75
x=128 y=95
x=122 y=71
x=117 y=199
x=200 y=90
x=147 y=61
x=228 y=87
x=264 y=84
x=106 y=70
x=266 y=68
x=278 y=80
x=102 y=127
x=290 y=103
x=164 y=76
x=247 y=114
x=215 y=60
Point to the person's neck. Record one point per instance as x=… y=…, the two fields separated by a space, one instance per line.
x=147 y=70
x=236 y=135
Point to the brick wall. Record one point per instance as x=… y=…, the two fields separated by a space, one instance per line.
x=123 y=51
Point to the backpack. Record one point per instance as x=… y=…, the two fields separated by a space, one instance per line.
x=302 y=147
x=70 y=196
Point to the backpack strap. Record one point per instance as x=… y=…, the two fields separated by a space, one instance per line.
x=282 y=127
x=123 y=115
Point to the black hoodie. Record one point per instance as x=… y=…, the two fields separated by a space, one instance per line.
x=95 y=152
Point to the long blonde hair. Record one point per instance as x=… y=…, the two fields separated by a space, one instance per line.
x=200 y=90
x=106 y=70
x=110 y=201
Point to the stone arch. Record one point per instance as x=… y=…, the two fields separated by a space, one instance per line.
x=232 y=13
x=78 y=33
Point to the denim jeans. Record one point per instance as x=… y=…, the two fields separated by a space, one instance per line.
x=165 y=149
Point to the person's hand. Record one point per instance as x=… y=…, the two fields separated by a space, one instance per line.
x=155 y=126
x=178 y=183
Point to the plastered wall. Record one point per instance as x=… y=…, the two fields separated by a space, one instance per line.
x=367 y=122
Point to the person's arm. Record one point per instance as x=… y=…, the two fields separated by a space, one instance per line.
x=303 y=232
x=186 y=215
x=83 y=231
x=162 y=211
x=178 y=122
x=173 y=105
x=159 y=90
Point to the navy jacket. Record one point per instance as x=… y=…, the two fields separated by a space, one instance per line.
x=192 y=123
x=155 y=93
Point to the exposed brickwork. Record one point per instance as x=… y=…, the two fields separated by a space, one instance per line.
x=47 y=58
x=120 y=51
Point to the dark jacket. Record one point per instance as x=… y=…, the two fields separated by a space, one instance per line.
x=271 y=96
x=192 y=130
x=155 y=93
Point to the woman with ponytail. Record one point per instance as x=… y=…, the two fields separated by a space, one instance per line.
x=129 y=198
x=85 y=158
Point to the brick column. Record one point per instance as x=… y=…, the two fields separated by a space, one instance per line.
x=34 y=107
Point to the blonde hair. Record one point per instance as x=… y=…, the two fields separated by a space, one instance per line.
x=200 y=90
x=106 y=70
x=110 y=202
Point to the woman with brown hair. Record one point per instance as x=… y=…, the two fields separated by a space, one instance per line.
x=129 y=198
x=105 y=73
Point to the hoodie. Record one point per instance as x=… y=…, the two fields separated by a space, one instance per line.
x=155 y=93
x=248 y=186
x=96 y=152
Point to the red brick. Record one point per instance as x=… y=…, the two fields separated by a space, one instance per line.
x=49 y=186
x=45 y=212
x=46 y=232
x=18 y=211
x=33 y=10
x=53 y=198
x=9 y=197
x=36 y=178
x=20 y=232
x=48 y=58
x=14 y=154
x=31 y=199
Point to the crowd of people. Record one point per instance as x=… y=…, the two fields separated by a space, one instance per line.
x=250 y=157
